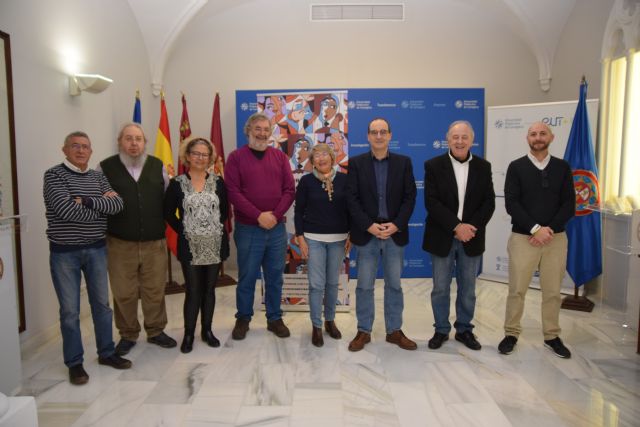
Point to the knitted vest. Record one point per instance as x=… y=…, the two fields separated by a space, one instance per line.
x=141 y=219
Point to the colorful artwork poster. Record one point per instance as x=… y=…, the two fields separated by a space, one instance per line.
x=299 y=121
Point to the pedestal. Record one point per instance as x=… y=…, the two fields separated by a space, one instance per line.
x=11 y=365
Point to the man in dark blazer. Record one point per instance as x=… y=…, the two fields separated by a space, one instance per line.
x=460 y=200
x=382 y=195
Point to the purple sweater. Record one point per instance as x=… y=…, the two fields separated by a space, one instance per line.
x=259 y=185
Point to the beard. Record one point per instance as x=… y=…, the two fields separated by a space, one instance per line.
x=538 y=146
x=259 y=145
x=131 y=161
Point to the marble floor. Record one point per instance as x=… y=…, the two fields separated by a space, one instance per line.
x=268 y=381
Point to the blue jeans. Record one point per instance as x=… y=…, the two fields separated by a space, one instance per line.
x=324 y=272
x=368 y=260
x=257 y=248
x=66 y=268
x=466 y=268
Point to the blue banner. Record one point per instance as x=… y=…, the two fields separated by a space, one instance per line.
x=419 y=120
x=584 y=257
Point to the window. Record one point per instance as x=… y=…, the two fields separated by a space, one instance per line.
x=619 y=149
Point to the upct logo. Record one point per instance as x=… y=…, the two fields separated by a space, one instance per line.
x=498 y=124
x=555 y=121
x=244 y=106
x=458 y=104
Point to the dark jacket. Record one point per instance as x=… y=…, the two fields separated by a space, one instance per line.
x=363 y=196
x=441 y=202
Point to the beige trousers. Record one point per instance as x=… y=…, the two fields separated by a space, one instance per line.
x=524 y=259
x=138 y=270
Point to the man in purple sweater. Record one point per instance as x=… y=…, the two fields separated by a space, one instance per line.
x=261 y=188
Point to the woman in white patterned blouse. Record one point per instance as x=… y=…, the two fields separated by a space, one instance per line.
x=195 y=206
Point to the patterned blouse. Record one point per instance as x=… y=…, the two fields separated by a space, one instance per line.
x=201 y=221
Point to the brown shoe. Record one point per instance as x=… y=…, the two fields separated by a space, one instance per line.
x=240 y=329
x=359 y=341
x=398 y=338
x=316 y=337
x=332 y=329
x=279 y=328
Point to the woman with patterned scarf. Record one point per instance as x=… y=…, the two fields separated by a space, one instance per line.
x=322 y=233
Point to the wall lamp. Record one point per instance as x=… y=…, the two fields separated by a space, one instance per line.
x=94 y=83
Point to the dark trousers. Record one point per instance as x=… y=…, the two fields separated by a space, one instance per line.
x=200 y=296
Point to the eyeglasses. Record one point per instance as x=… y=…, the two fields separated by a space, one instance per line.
x=545 y=178
x=259 y=129
x=199 y=155
x=382 y=132
x=131 y=138
x=321 y=154
x=78 y=147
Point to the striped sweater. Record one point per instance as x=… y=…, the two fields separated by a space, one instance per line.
x=74 y=225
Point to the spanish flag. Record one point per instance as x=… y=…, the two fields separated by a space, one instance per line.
x=163 y=152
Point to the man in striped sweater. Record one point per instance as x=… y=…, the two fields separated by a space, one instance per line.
x=77 y=201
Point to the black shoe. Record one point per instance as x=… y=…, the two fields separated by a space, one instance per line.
x=240 y=329
x=115 y=361
x=77 y=375
x=279 y=328
x=332 y=329
x=316 y=337
x=163 y=340
x=124 y=346
x=467 y=338
x=437 y=340
x=187 y=344
x=558 y=348
x=210 y=339
x=507 y=344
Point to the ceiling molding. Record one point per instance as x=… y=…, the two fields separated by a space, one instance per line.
x=622 y=34
x=541 y=23
x=161 y=22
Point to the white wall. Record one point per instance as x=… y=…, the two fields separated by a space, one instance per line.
x=44 y=34
x=579 y=51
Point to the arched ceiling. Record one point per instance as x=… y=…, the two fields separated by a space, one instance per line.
x=539 y=23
